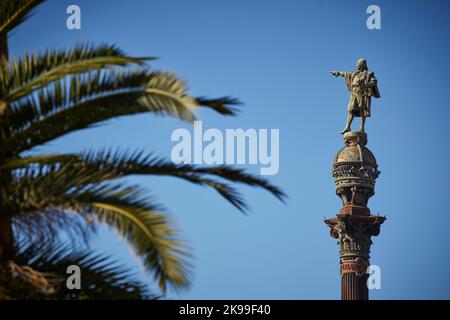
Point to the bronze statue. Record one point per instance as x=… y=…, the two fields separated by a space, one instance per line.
x=362 y=85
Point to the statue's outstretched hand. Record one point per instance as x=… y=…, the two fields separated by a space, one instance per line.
x=335 y=73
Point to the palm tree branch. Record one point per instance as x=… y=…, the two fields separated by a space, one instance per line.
x=223 y=105
x=62 y=110
x=68 y=92
x=102 y=278
x=123 y=208
x=13 y=12
x=149 y=233
x=20 y=72
x=115 y=164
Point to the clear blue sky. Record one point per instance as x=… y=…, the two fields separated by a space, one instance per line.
x=276 y=56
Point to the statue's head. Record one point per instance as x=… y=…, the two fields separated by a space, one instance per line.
x=361 y=64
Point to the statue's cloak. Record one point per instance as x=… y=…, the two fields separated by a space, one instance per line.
x=362 y=86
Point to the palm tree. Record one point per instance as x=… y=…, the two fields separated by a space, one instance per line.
x=48 y=95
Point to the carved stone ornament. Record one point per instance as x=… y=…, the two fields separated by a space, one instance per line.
x=354 y=234
x=355 y=171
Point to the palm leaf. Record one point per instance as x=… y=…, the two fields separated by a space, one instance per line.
x=91 y=99
x=101 y=277
x=223 y=105
x=13 y=12
x=136 y=218
x=114 y=164
x=33 y=71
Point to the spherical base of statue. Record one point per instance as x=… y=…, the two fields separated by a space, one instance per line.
x=355 y=170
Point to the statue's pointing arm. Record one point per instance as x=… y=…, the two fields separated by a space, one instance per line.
x=338 y=73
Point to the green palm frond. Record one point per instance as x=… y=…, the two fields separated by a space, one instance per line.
x=115 y=164
x=93 y=98
x=223 y=105
x=19 y=162
x=21 y=77
x=69 y=93
x=136 y=218
x=13 y=12
x=147 y=230
x=101 y=277
x=49 y=225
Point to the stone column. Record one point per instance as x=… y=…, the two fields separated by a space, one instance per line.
x=354 y=171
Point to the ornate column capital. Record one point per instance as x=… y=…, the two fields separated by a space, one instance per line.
x=354 y=234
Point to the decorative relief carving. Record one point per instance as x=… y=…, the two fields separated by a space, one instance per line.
x=358 y=266
x=354 y=234
x=355 y=171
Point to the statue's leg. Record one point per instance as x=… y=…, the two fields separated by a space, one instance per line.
x=349 y=122
x=363 y=121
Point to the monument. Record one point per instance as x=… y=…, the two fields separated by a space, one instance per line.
x=355 y=171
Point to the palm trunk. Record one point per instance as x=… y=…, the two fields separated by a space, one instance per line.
x=3 y=47
x=6 y=230
x=4 y=54
x=6 y=239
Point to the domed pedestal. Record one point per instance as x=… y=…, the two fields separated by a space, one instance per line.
x=355 y=170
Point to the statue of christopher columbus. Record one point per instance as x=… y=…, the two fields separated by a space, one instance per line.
x=362 y=85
